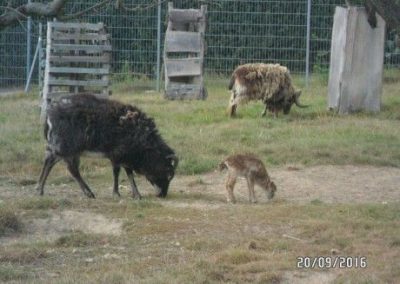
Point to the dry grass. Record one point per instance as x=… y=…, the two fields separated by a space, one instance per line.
x=241 y=243
x=9 y=221
x=163 y=243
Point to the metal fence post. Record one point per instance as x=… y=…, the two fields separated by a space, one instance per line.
x=308 y=42
x=40 y=63
x=28 y=46
x=158 y=45
x=35 y=57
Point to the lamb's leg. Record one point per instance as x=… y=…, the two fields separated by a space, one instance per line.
x=49 y=162
x=116 y=170
x=230 y=184
x=135 y=191
x=73 y=168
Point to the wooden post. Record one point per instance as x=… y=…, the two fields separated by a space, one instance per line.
x=356 y=65
x=46 y=87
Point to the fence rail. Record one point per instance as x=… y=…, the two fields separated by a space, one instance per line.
x=238 y=31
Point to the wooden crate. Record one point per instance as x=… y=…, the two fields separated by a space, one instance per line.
x=78 y=57
x=184 y=50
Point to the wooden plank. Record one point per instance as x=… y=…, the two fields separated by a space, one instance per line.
x=80 y=70
x=85 y=83
x=185 y=87
x=184 y=15
x=55 y=96
x=185 y=91
x=80 y=47
x=80 y=36
x=183 y=67
x=103 y=58
x=337 y=59
x=178 y=41
x=68 y=25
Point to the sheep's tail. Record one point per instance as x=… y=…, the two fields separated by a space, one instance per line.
x=231 y=82
x=47 y=127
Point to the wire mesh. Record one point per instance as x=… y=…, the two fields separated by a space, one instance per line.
x=238 y=31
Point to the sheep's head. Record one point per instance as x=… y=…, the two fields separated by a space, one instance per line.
x=271 y=189
x=294 y=99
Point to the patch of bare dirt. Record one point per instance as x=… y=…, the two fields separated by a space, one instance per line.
x=58 y=224
x=70 y=220
x=328 y=184
x=297 y=184
x=308 y=277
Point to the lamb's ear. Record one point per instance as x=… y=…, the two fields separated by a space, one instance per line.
x=173 y=160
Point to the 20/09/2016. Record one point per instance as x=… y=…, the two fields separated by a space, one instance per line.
x=305 y=262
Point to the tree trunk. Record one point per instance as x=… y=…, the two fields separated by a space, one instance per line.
x=13 y=16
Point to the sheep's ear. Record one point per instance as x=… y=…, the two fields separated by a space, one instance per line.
x=173 y=160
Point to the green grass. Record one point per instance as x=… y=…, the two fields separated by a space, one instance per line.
x=10 y=273
x=164 y=243
x=202 y=134
x=80 y=239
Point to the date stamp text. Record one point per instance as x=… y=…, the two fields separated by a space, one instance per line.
x=305 y=262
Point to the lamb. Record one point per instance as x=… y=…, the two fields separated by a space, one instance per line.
x=270 y=83
x=250 y=167
x=120 y=132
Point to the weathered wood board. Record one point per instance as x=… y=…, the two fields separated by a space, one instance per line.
x=183 y=67
x=183 y=41
x=356 y=65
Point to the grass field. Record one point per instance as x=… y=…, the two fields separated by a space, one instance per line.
x=65 y=238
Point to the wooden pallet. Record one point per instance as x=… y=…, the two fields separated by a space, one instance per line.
x=184 y=50
x=78 y=57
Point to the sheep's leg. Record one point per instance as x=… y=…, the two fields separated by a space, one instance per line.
x=232 y=104
x=135 y=191
x=250 y=187
x=264 y=113
x=73 y=168
x=233 y=110
x=116 y=170
x=49 y=162
x=230 y=184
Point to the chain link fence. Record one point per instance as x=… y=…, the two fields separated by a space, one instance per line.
x=238 y=31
